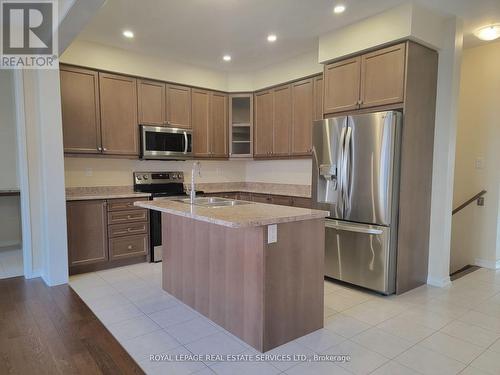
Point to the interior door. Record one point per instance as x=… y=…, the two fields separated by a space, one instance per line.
x=369 y=150
x=359 y=254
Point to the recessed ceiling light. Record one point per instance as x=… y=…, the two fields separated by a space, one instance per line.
x=490 y=32
x=226 y=57
x=128 y=34
x=271 y=38
x=339 y=9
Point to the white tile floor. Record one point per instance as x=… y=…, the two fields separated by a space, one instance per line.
x=11 y=262
x=426 y=331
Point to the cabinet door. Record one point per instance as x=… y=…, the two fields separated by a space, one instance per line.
x=119 y=128
x=263 y=131
x=151 y=100
x=87 y=239
x=302 y=116
x=341 y=81
x=178 y=106
x=282 y=120
x=218 y=126
x=318 y=98
x=80 y=110
x=200 y=114
x=282 y=200
x=262 y=198
x=382 y=76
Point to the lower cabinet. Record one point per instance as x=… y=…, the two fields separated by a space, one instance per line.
x=106 y=233
x=283 y=200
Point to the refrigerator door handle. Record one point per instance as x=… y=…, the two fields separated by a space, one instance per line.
x=340 y=164
x=345 y=167
x=351 y=228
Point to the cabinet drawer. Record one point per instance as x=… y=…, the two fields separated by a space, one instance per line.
x=119 y=217
x=124 y=204
x=282 y=200
x=301 y=202
x=129 y=246
x=262 y=198
x=118 y=230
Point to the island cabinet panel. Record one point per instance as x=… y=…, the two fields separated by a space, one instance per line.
x=383 y=76
x=282 y=120
x=87 y=234
x=218 y=125
x=80 y=110
x=263 y=128
x=118 y=94
x=151 y=102
x=302 y=116
x=178 y=106
x=341 y=85
x=266 y=294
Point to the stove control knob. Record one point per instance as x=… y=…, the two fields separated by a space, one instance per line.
x=139 y=177
x=175 y=176
x=145 y=177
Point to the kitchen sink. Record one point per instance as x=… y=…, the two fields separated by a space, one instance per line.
x=213 y=202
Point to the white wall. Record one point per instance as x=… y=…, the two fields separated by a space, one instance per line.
x=475 y=235
x=10 y=221
x=122 y=61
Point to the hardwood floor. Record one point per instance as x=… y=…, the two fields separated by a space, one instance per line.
x=50 y=330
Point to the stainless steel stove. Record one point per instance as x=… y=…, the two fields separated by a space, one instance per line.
x=161 y=185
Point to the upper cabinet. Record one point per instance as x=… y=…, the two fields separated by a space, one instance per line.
x=383 y=76
x=151 y=102
x=241 y=125
x=178 y=106
x=318 y=97
x=80 y=110
x=209 y=116
x=120 y=135
x=303 y=104
x=341 y=85
x=263 y=128
x=373 y=79
x=282 y=120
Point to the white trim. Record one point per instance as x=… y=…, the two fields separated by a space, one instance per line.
x=22 y=166
x=439 y=282
x=485 y=263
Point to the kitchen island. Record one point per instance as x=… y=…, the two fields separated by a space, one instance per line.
x=255 y=269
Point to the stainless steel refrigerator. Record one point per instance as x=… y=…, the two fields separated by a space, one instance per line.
x=355 y=176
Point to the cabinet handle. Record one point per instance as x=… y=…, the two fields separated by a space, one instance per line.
x=130 y=247
x=121 y=232
x=99 y=148
x=104 y=149
x=130 y=230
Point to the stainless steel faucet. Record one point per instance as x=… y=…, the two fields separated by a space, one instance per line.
x=192 y=192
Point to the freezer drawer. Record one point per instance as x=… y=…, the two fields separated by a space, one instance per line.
x=359 y=254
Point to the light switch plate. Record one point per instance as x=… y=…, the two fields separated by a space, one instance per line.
x=272 y=233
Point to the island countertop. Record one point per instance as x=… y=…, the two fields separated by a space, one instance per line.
x=245 y=215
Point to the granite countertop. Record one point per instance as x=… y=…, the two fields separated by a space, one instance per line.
x=102 y=192
x=245 y=215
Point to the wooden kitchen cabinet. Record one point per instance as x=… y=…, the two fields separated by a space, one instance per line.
x=370 y=80
x=383 y=76
x=318 y=97
x=341 y=85
x=282 y=120
x=200 y=114
x=209 y=111
x=118 y=95
x=302 y=116
x=178 y=106
x=218 y=124
x=106 y=233
x=263 y=128
x=87 y=232
x=151 y=102
x=80 y=110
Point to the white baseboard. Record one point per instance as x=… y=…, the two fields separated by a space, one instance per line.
x=485 y=263
x=440 y=282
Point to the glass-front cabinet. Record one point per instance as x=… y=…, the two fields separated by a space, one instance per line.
x=241 y=125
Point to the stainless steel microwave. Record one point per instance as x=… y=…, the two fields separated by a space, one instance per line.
x=159 y=142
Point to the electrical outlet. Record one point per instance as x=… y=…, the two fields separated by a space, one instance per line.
x=88 y=172
x=480 y=201
x=272 y=233
x=479 y=163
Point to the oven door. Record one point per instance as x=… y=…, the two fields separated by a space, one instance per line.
x=158 y=142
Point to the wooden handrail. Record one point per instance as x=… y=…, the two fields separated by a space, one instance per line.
x=469 y=201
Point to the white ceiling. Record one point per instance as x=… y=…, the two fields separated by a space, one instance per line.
x=201 y=31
